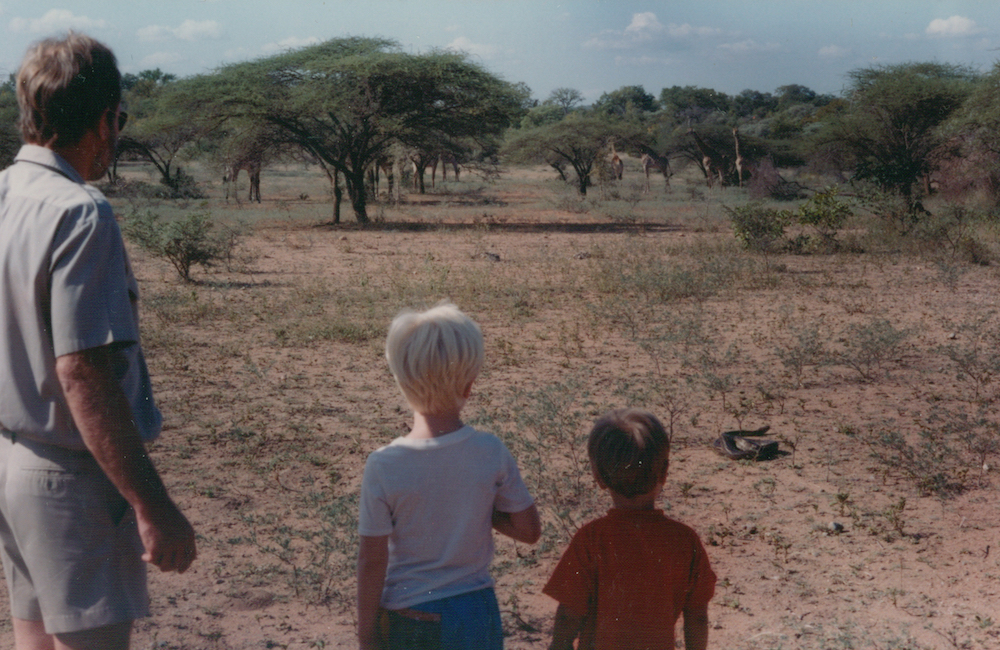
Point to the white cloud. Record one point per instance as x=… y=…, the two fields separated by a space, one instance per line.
x=645 y=27
x=749 y=45
x=954 y=26
x=189 y=30
x=833 y=51
x=463 y=44
x=685 y=30
x=452 y=28
x=290 y=43
x=55 y=20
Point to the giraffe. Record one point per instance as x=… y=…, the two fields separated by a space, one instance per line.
x=382 y=165
x=739 y=158
x=421 y=161
x=448 y=158
x=252 y=163
x=617 y=166
x=710 y=160
x=651 y=161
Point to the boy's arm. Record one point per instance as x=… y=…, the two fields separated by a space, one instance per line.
x=567 y=628
x=373 y=558
x=524 y=526
x=696 y=627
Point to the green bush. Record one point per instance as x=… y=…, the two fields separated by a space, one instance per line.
x=184 y=242
x=826 y=213
x=759 y=228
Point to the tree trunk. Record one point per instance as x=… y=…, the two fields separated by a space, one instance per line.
x=421 y=188
x=338 y=196
x=356 y=192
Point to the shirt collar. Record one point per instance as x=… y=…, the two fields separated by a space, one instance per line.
x=46 y=157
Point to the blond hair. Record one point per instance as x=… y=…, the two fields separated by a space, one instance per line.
x=434 y=356
x=629 y=451
x=64 y=86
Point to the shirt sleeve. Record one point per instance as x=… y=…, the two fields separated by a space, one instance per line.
x=574 y=580
x=92 y=301
x=374 y=515
x=512 y=493
x=702 y=577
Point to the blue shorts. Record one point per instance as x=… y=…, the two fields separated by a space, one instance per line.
x=468 y=621
x=69 y=541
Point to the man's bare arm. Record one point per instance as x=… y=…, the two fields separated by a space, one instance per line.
x=104 y=418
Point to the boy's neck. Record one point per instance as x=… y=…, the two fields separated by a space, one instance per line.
x=435 y=425
x=645 y=501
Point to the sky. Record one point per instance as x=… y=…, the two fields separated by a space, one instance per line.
x=593 y=46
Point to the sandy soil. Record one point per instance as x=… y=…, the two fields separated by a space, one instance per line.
x=270 y=417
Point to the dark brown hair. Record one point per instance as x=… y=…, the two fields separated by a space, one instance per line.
x=629 y=451
x=64 y=86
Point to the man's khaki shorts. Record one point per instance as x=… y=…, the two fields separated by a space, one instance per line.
x=70 y=545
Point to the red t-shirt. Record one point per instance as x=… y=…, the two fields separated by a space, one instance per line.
x=631 y=574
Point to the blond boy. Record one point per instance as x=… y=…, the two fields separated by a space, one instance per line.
x=627 y=577
x=430 y=499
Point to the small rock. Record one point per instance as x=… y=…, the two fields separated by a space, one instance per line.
x=835 y=527
x=952 y=336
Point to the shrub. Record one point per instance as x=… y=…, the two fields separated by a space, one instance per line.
x=184 y=242
x=826 y=213
x=953 y=231
x=758 y=228
x=869 y=347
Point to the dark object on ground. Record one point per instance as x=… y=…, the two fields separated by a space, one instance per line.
x=740 y=445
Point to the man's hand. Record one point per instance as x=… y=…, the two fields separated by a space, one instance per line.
x=168 y=538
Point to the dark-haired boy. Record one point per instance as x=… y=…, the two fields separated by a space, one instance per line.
x=627 y=577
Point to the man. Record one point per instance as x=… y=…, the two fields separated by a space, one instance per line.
x=81 y=505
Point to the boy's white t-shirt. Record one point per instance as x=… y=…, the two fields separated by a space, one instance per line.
x=435 y=499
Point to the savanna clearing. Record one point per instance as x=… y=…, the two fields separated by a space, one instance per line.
x=874 y=366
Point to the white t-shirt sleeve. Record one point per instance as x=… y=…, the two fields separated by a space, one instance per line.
x=374 y=516
x=512 y=493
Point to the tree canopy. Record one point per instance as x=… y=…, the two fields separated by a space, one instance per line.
x=163 y=122
x=891 y=126
x=627 y=100
x=565 y=98
x=346 y=101
x=576 y=142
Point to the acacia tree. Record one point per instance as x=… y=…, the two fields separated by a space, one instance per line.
x=973 y=133
x=626 y=101
x=576 y=142
x=890 y=128
x=693 y=102
x=346 y=101
x=566 y=99
x=163 y=122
